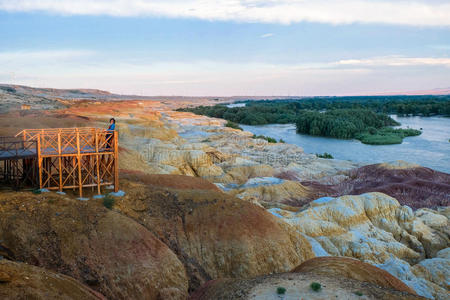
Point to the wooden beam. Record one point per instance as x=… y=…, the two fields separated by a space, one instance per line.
x=97 y=163
x=38 y=150
x=116 y=161
x=59 y=161
x=80 y=184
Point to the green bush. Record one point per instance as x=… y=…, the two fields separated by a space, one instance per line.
x=267 y=138
x=387 y=136
x=281 y=141
x=325 y=155
x=378 y=139
x=358 y=293
x=233 y=125
x=372 y=130
x=315 y=286
x=108 y=202
x=409 y=132
x=281 y=290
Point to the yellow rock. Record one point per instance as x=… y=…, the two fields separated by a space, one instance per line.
x=29 y=282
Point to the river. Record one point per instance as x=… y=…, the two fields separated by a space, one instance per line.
x=431 y=149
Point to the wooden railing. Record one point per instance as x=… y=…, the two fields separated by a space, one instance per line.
x=13 y=147
x=74 y=157
x=65 y=140
x=31 y=134
x=18 y=162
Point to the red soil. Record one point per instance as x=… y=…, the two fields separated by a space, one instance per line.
x=415 y=187
x=169 y=181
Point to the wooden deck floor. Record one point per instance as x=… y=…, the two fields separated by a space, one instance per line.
x=28 y=153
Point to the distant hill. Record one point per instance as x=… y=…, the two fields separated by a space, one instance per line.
x=58 y=93
x=95 y=94
x=14 y=97
x=439 y=91
x=21 y=94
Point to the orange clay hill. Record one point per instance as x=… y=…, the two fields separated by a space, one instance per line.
x=317 y=278
x=23 y=281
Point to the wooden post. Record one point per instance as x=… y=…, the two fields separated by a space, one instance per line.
x=73 y=159
x=80 y=183
x=38 y=151
x=59 y=161
x=116 y=161
x=43 y=139
x=97 y=162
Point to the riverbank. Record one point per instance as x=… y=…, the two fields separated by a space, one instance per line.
x=430 y=149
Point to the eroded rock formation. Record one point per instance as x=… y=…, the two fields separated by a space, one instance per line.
x=375 y=228
x=22 y=281
x=101 y=248
x=353 y=269
x=171 y=233
x=216 y=235
x=297 y=285
x=410 y=184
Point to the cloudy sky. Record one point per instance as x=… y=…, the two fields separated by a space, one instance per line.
x=228 y=47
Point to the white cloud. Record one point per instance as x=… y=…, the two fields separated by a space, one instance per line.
x=34 y=64
x=440 y=47
x=403 y=12
x=42 y=55
x=266 y=35
x=88 y=69
x=396 y=61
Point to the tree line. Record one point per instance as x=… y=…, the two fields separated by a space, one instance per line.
x=342 y=123
x=363 y=118
x=284 y=111
x=362 y=124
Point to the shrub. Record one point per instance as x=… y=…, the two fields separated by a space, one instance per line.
x=281 y=290
x=315 y=286
x=387 y=136
x=358 y=293
x=409 y=132
x=233 y=125
x=108 y=202
x=282 y=141
x=267 y=138
x=378 y=139
x=325 y=155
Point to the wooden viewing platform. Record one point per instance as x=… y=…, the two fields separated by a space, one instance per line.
x=60 y=158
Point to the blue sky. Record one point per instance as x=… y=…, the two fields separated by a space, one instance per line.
x=223 y=48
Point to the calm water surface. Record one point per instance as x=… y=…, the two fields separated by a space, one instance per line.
x=430 y=149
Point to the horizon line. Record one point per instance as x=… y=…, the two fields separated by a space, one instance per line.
x=446 y=91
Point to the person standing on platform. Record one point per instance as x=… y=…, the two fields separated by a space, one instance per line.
x=110 y=132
